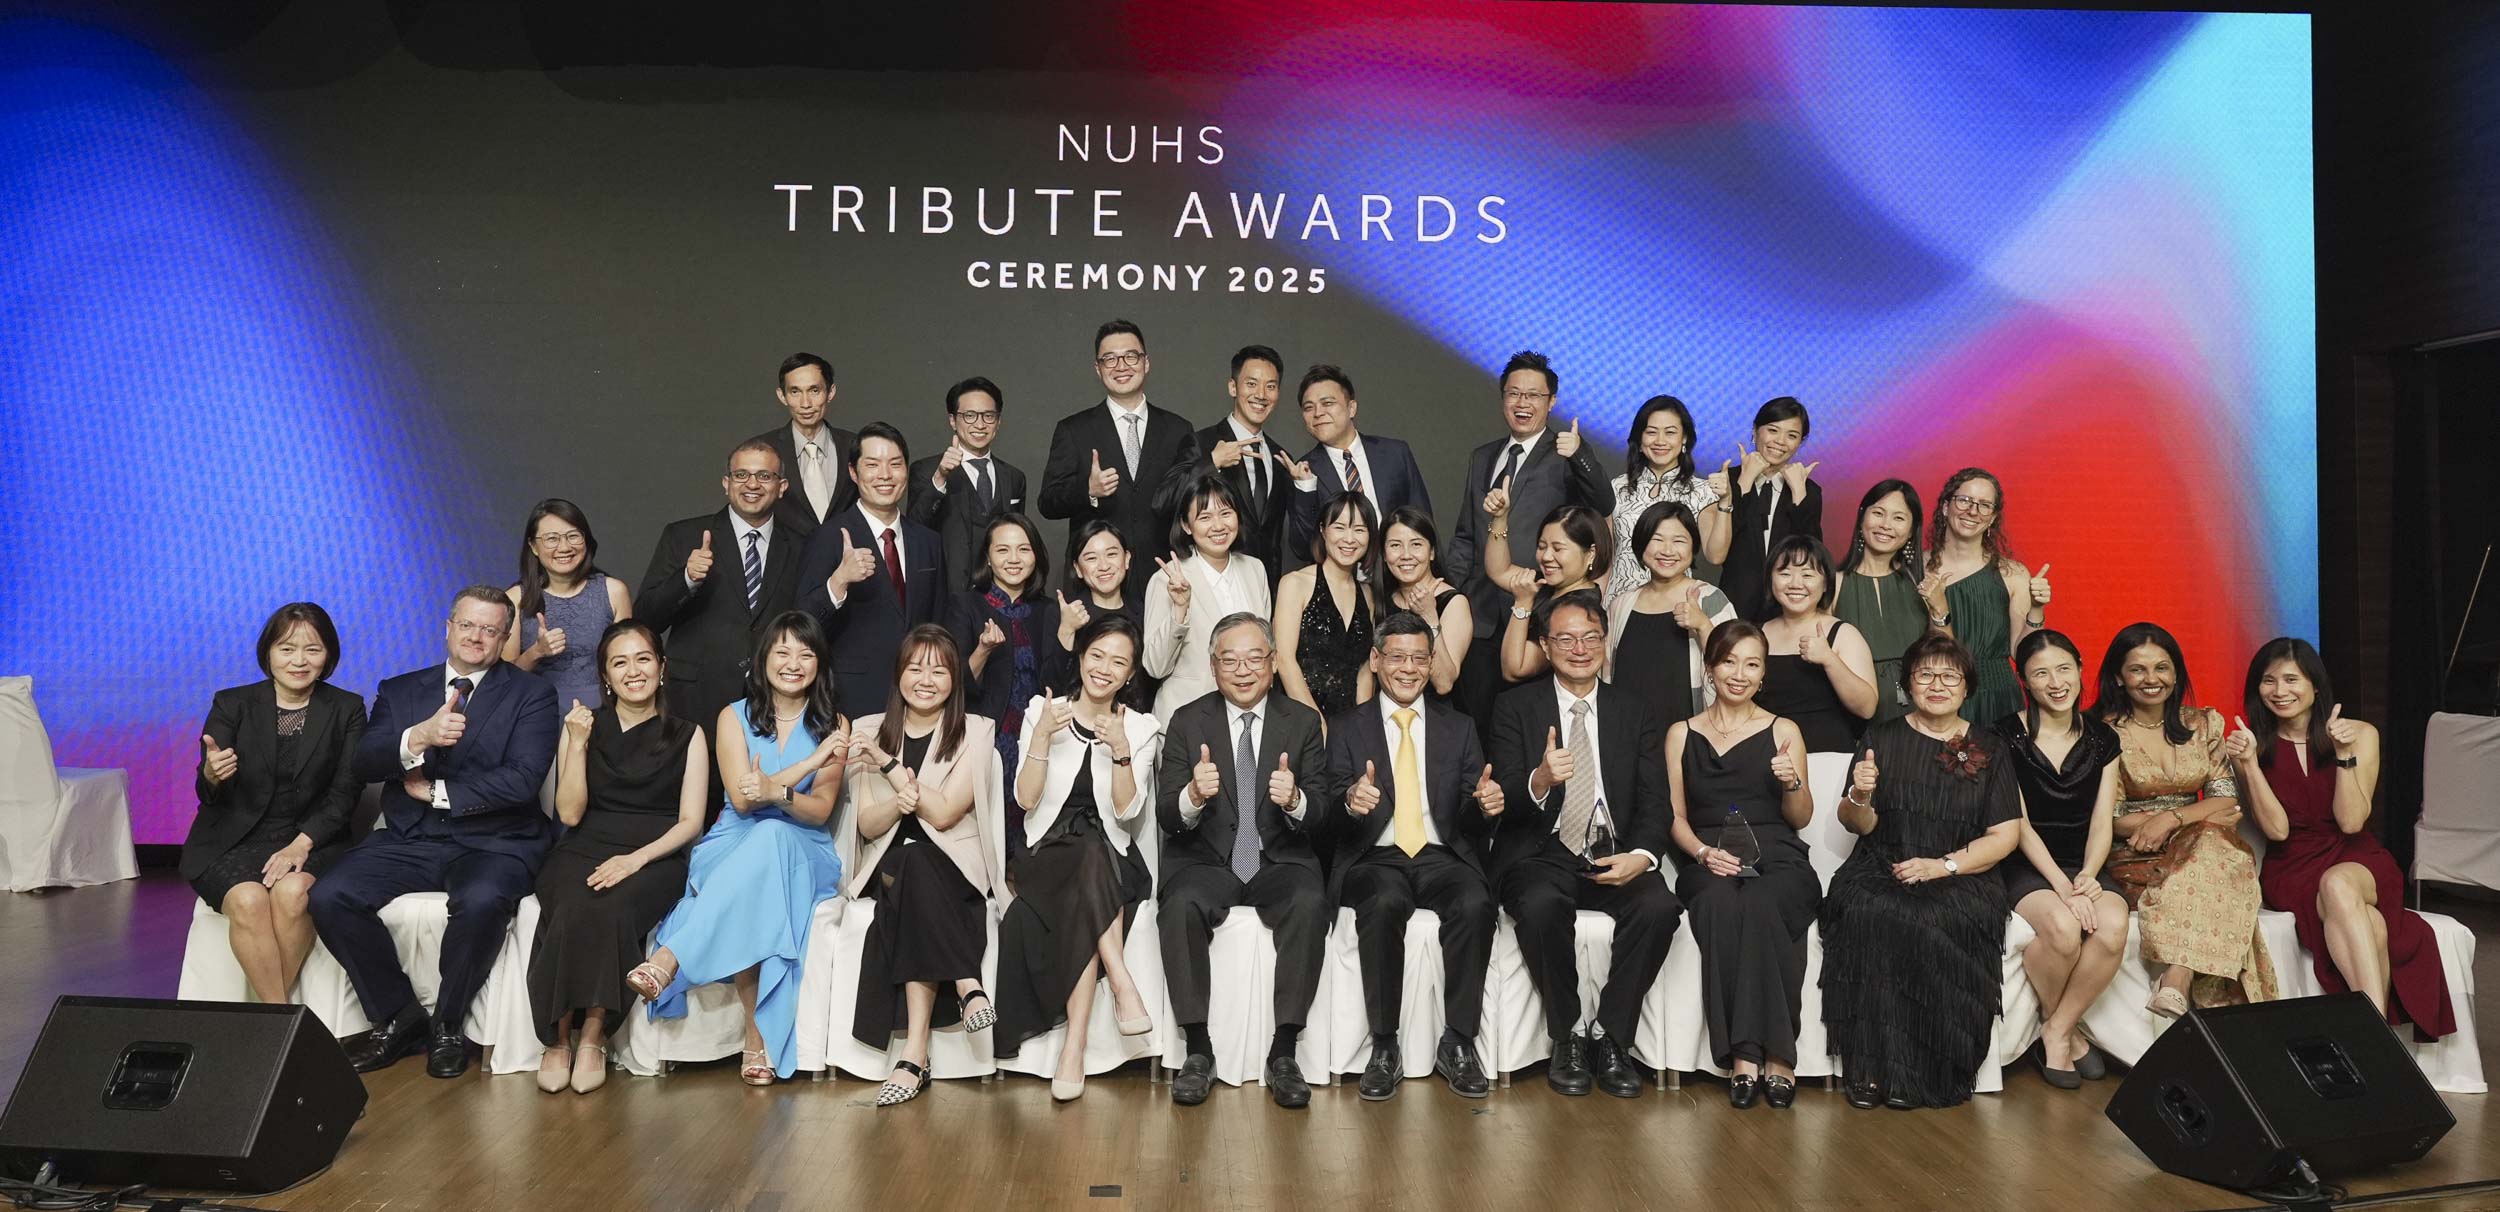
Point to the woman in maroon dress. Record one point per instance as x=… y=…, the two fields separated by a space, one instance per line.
x=2308 y=776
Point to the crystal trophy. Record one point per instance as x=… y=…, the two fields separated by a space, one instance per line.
x=1600 y=842
x=1736 y=837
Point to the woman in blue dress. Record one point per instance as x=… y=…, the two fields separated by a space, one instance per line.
x=753 y=881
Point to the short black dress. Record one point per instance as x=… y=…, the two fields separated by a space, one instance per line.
x=2061 y=798
x=244 y=861
x=1797 y=690
x=588 y=940
x=1069 y=888
x=931 y=925
x=1331 y=651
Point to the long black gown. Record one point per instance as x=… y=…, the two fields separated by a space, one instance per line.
x=1911 y=972
x=931 y=925
x=588 y=940
x=1752 y=930
x=1069 y=888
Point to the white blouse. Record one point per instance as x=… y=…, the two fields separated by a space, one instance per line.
x=1696 y=493
x=1177 y=650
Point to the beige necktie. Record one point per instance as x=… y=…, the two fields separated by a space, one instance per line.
x=1407 y=826
x=812 y=478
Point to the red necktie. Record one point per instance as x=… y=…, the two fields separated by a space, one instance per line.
x=894 y=570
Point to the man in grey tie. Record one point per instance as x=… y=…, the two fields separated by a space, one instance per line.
x=1583 y=773
x=958 y=490
x=815 y=456
x=1242 y=783
x=1123 y=460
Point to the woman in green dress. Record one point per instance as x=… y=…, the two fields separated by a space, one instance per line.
x=1881 y=591
x=1992 y=600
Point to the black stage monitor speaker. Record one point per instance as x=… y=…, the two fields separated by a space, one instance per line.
x=2239 y=1096
x=214 y=1095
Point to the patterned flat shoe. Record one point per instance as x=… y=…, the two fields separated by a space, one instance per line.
x=894 y=1093
x=982 y=1019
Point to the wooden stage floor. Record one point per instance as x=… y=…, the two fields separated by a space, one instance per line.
x=698 y=1139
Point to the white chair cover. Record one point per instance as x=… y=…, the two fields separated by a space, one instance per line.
x=65 y=828
x=2458 y=837
x=1420 y=1017
x=715 y=1023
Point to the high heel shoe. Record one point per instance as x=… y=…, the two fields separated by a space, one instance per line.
x=649 y=980
x=1066 y=1089
x=2168 y=1002
x=590 y=1068
x=1139 y=1025
x=755 y=1067
x=553 y=1080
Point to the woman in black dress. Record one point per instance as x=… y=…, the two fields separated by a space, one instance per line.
x=1767 y=496
x=1820 y=675
x=2067 y=763
x=1325 y=611
x=1410 y=553
x=1736 y=778
x=1081 y=877
x=275 y=794
x=1097 y=585
x=918 y=772
x=1008 y=629
x=631 y=785
x=1913 y=928
x=1655 y=631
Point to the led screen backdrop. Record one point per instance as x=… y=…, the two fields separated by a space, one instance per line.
x=331 y=340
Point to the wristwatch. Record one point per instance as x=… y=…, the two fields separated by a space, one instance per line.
x=1120 y=761
x=1520 y=612
x=1951 y=867
x=2348 y=763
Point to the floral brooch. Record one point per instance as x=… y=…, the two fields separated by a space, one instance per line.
x=1963 y=758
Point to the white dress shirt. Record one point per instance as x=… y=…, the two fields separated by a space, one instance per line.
x=1120 y=429
x=736 y=556
x=1358 y=455
x=1389 y=710
x=410 y=758
x=1250 y=796
x=1563 y=699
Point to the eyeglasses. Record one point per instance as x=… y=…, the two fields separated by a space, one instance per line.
x=1969 y=504
x=1945 y=678
x=1122 y=361
x=969 y=417
x=569 y=538
x=1512 y=395
x=1242 y=664
x=489 y=631
x=748 y=475
x=1578 y=641
x=1394 y=660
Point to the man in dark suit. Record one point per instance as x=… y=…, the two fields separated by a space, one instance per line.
x=1419 y=800
x=957 y=493
x=869 y=574
x=1123 y=460
x=1584 y=774
x=1238 y=450
x=813 y=454
x=714 y=584
x=1242 y=750
x=1543 y=469
x=461 y=749
x=1382 y=469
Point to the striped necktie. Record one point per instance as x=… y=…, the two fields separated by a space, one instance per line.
x=755 y=572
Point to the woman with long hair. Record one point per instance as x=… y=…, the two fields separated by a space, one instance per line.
x=1992 y=600
x=917 y=771
x=562 y=597
x=1411 y=556
x=2181 y=863
x=1658 y=470
x=2309 y=772
x=1654 y=634
x=1884 y=591
x=753 y=880
x=1326 y=609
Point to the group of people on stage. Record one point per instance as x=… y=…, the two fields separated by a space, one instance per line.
x=1630 y=694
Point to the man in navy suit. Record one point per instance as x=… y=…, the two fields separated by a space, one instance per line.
x=871 y=574
x=1123 y=460
x=958 y=490
x=1382 y=469
x=461 y=749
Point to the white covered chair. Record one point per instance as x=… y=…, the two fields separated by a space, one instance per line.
x=1241 y=1014
x=1420 y=1016
x=715 y=1023
x=2457 y=840
x=58 y=827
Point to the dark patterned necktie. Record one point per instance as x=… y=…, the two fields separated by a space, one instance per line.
x=755 y=572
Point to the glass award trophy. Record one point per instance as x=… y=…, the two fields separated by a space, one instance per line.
x=1736 y=837
x=1600 y=842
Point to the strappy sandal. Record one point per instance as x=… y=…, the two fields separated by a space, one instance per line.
x=2168 y=1002
x=894 y=1094
x=755 y=1067
x=982 y=1019
x=648 y=980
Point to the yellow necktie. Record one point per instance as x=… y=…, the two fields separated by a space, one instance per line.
x=1408 y=820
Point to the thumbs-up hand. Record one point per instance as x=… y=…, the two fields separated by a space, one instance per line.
x=1557 y=767
x=1567 y=443
x=1101 y=481
x=1931 y=590
x=577 y=724
x=1862 y=779
x=948 y=462
x=1797 y=474
x=1057 y=713
x=1205 y=781
x=699 y=561
x=443 y=728
x=1364 y=795
x=1280 y=784
x=906 y=784
x=1784 y=766
x=857 y=564
x=1072 y=618
x=1812 y=648
x=550 y=639
x=2040 y=586
x=1488 y=793
x=751 y=789
x=216 y=764
x=1750 y=468
x=2342 y=731
x=1114 y=730
x=1688 y=612
x=1497 y=503
x=2240 y=744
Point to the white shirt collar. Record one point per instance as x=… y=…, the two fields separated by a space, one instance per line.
x=1118 y=412
x=1389 y=710
x=1527 y=446
x=1233 y=713
x=475 y=679
x=876 y=526
x=1241 y=432
x=823 y=440
x=1563 y=699
x=739 y=528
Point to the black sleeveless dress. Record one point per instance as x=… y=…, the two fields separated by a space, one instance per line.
x=1800 y=692
x=1331 y=651
x=1752 y=929
x=588 y=940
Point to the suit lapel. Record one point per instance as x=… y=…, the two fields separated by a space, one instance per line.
x=1372 y=735
x=781 y=563
x=1222 y=751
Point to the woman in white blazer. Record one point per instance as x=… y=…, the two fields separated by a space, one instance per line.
x=1084 y=781
x=1204 y=581
x=920 y=773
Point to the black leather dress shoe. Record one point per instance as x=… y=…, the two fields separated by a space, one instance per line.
x=1568 y=1072
x=1457 y=1064
x=1865 y=1095
x=1381 y=1076
x=1285 y=1085
x=1196 y=1078
x=1779 y=1092
x=446 y=1052
x=1742 y=1090
x=403 y=1036
x=1616 y=1074
x=1900 y=1102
